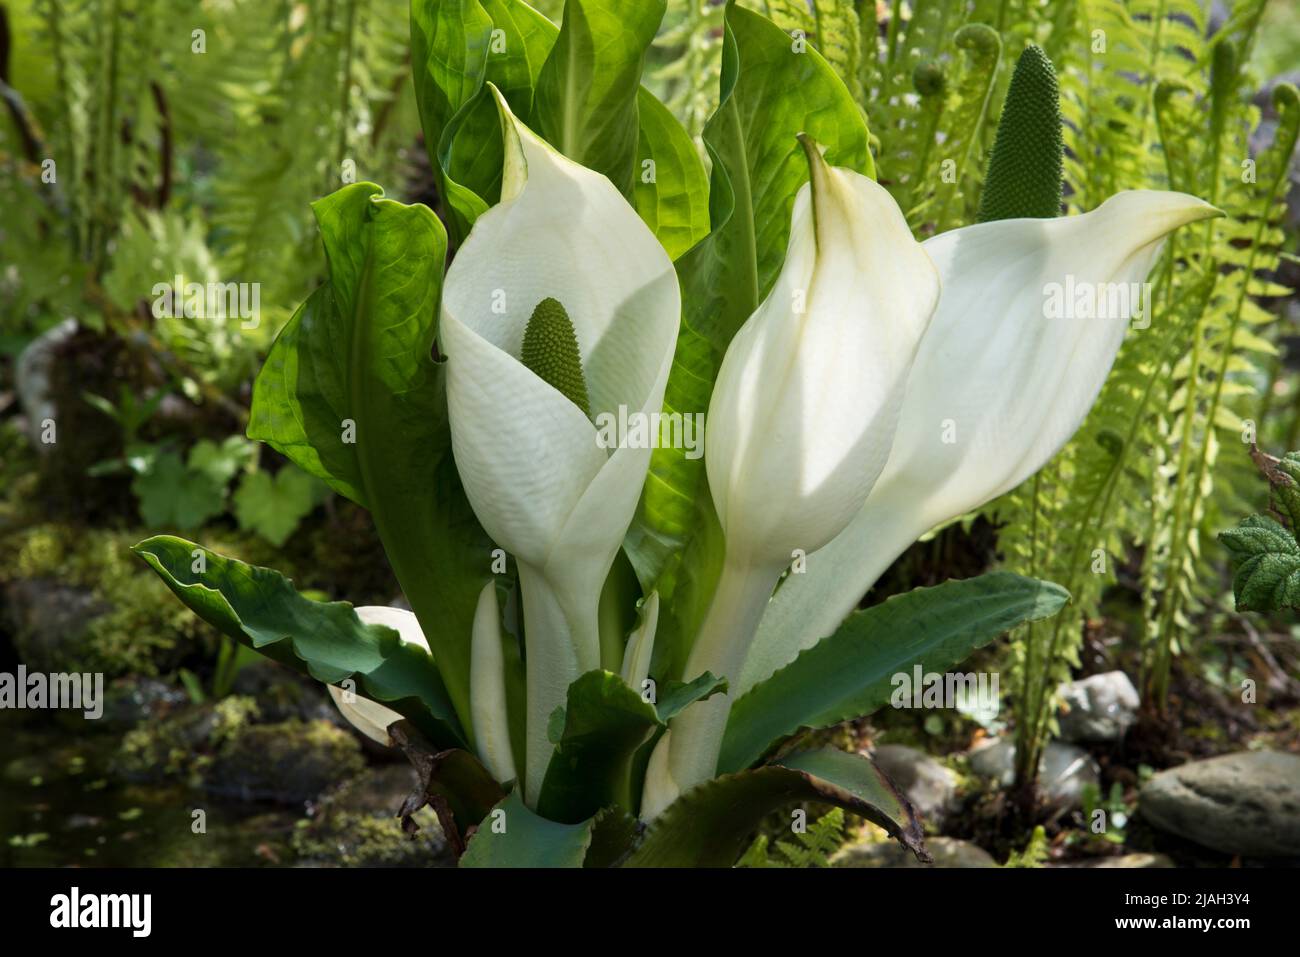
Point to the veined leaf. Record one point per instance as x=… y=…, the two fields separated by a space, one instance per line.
x=585 y=103
x=513 y=836
x=1266 y=562
x=709 y=826
x=671 y=194
x=350 y=392
x=605 y=725
x=259 y=608
x=850 y=674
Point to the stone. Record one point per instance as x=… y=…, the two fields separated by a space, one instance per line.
x=1128 y=860
x=946 y=851
x=1062 y=774
x=1097 y=708
x=289 y=762
x=49 y=621
x=1247 y=803
x=356 y=825
x=929 y=785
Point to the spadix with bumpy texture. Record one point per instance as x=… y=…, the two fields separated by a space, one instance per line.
x=550 y=350
x=1024 y=174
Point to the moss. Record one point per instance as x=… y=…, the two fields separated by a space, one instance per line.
x=356 y=825
x=144 y=631
x=181 y=747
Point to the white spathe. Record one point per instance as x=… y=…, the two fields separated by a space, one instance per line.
x=999 y=385
x=369 y=717
x=530 y=460
x=801 y=421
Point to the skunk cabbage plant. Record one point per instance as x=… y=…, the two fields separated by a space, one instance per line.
x=577 y=682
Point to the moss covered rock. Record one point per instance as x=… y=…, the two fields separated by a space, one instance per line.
x=356 y=826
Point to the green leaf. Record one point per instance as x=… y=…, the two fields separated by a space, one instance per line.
x=601 y=736
x=351 y=394
x=172 y=495
x=585 y=102
x=605 y=723
x=709 y=826
x=1025 y=168
x=850 y=674
x=677 y=695
x=221 y=462
x=456 y=48
x=273 y=506
x=1266 y=562
x=513 y=836
x=671 y=195
x=259 y=608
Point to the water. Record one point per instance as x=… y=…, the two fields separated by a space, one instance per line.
x=60 y=807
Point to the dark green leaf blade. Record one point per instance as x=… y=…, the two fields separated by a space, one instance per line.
x=605 y=722
x=709 y=826
x=259 y=608
x=850 y=673
x=513 y=836
x=1266 y=562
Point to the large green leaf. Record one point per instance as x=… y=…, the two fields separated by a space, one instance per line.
x=671 y=188
x=709 y=825
x=772 y=89
x=351 y=393
x=851 y=673
x=605 y=725
x=513 y=836
x=585 y=103
x=259 y=608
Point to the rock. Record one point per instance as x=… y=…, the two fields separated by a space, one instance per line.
x=946 y=851
x=356 y=826
x=1097 y=708
x=49 y=621
x=1062 y=774
x=1246 y=803
x=1124 y=860
x=130 y=701
x=289 y=762
x=282 y=694
x=929 y=785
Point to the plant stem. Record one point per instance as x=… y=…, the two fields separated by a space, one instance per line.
x=724 y=639
x=552 y=663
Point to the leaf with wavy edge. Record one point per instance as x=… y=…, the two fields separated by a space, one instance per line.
x=710 y=825
x=259 y=608
x=850 y=674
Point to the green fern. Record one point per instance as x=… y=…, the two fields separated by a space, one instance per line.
x=811 y=848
